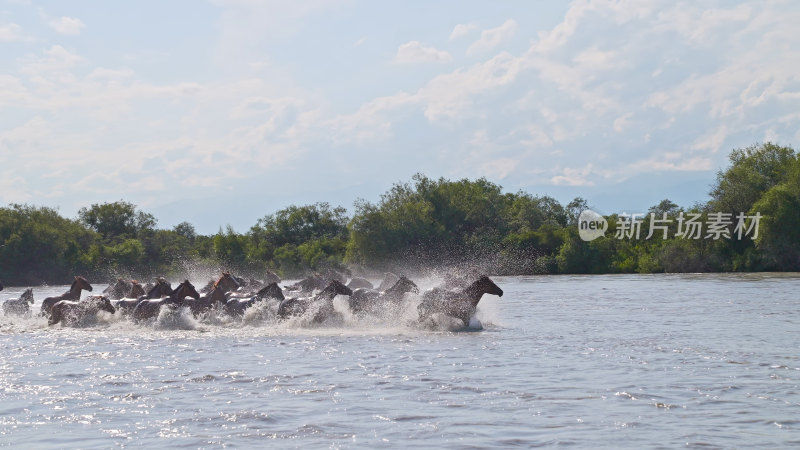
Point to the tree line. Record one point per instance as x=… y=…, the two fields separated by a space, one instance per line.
x=420 y=225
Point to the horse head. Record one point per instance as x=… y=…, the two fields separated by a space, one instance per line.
x=160 y=289
x=402 y=286
x=272 y=290
x=485 y=285
x=335 y=288
x=136 y=290
x=81 y=283
x=27 y=296
x=104 y=304
x=227 y=283
x=184 y=290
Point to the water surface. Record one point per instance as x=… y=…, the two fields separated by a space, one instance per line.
x=609 y=361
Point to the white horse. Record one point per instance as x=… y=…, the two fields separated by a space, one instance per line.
x=19 y=306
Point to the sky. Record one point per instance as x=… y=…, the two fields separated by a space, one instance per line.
x=221 y=112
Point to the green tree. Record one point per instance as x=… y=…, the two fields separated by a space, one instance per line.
x=38 y=245
x=117 y=221
x=779 y=230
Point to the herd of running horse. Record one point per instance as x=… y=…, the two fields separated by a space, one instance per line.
x=457 y=297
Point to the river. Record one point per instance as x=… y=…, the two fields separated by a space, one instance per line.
x=622 y=361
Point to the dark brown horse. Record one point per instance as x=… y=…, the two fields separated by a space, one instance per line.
x=19 y=306
x=71 y=312
x=322 y=302
x=373 y=301
x=227 y=283
x=150 y=308
x=216 y=296
x=307 y=285
x=117 y=289
x=161 y=288
x=132 y=298
x=237 y=306
x=461 y=303
x=74 y=293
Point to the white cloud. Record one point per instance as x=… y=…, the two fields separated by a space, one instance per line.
x=69 y=26
x=56 y=58
x=578 y=176
x=698 y=24
x=493 y=37
x=10 y=32
x=666 y=163
x=622 y=122
x=448 y=96
x=594 y=59
x=712 y=141
x=14 y=189
x=608 y=87
x=414 y=52
x=499 y=168
x=370 y=122
x=111 y=74
x=462 y=29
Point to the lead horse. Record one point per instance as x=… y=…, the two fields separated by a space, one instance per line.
x=460 y=304
x=74 y=293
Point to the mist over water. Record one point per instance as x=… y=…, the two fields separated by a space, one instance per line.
x=610 y=361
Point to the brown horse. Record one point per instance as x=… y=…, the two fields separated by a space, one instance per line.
x=68 y=311
x=323 y=302
x=74 y=293
x=161 y=288
x=19 y=306
x=150 y=308
x=117 y=289
x=373 y=301
x=237 y=306
x=225 y=284
x=460 y=304
x=132 y=298
x=307 y=285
